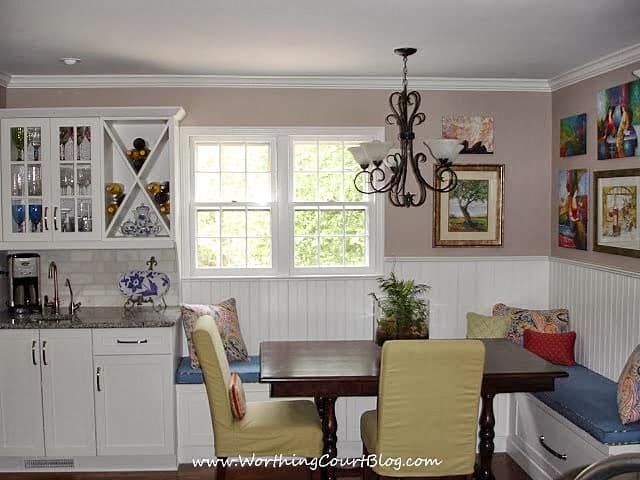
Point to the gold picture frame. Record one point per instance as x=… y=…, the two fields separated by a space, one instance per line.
x=615 y=213
x=471 y=215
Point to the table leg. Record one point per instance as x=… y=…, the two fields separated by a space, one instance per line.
x=487 y=423
x=329 y=431
x=319 y=401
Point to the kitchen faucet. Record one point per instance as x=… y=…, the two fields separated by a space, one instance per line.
x=73 y=307
x=53 y=273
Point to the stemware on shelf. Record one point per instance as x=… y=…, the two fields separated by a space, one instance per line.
x=17 y=212
x=66 y=181
x=35 y=216
x=66 y=133
x=34 y=180
x=17 y=136
x=36 y=142
x=17 y=180
x=84 y=180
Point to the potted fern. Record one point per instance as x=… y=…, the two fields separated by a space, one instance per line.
x=402 y=309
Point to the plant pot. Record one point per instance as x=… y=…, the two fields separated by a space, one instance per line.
x=387 y=331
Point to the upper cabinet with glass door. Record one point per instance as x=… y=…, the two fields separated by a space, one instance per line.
x=76 y=179
x=26 y=166
x=87 y=177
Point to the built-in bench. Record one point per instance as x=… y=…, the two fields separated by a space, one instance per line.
x=558 y=432
x=248 y=370
x=588 y=400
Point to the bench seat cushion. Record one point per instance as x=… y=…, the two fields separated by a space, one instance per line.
x=249 y=371
x=588 y=400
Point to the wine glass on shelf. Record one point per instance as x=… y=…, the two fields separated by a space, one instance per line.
x=17 y=212
x=17 y=135
x=34 y=181
x=65 y=135
x=36 y=142
x=35 y=216
x=17 y=181
x=84 y=180
x=66 y=181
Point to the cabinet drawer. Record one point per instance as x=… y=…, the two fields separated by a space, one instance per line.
x=128 y=341
x=534 y=420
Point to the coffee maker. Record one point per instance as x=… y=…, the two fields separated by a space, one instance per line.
x=24 y=283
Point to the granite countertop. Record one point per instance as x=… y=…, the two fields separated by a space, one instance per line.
x=98 y=317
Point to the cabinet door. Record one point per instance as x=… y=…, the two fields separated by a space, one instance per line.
x=76 y=185
x=67 y=392
x=21 y=427
x=26 y=166
x=134 y=404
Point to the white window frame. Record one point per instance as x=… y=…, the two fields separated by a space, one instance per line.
x=282 y=209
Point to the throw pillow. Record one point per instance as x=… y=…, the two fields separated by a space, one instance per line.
x=236 y=397
x=549 y=321
x=629 y=389
x=484 y=326
x=557 y=348
x=226 y=316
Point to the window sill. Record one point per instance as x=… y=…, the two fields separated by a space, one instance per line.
x=344 y=276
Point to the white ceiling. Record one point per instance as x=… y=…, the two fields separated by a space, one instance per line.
x=536 y=39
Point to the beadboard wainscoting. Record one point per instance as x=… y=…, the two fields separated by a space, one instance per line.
x=340 y=308
x=604 y=312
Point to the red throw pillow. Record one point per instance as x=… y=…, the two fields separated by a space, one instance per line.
x=557 y=348
x=236 y=396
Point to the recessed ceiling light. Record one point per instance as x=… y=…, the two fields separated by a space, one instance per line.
x=70 y=60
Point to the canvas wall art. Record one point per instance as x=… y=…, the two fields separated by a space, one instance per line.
x=574 y=208
x=474 y=132
x=573 y=135
x=619 y=121
x=616 y=211
x=471 y=215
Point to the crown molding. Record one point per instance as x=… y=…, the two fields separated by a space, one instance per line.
x=319 y=82
x=5 y=79
x=602 y=65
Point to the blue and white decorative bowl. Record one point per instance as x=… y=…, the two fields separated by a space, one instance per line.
x=144 y=285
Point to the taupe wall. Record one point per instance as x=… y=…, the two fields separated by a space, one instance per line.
x=3 y=97
x=522 y=142
x=580 y=98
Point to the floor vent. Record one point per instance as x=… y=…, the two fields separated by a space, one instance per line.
x=49 y=463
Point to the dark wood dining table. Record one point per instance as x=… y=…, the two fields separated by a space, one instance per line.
x=326 y=370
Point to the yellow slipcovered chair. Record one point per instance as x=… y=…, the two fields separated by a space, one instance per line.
x=427 y=408
x=268 y=428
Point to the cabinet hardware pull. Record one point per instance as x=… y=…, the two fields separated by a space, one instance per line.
x=33 y=352
x=137 y=342
x=46 y=218
x=98 y=370
x=55 y=218
x=44 y=352
x=561 y=456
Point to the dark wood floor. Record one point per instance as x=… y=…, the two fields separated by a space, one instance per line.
x=503 y=467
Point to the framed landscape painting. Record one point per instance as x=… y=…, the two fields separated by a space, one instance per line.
x=474 y=132
x=616 y=211
x=573 y=135
x=619 y=121
x=471 y=215
x=574 y=208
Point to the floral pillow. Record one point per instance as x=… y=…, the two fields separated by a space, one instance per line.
x=226 y=317
x=547 y=321
x=629 y=389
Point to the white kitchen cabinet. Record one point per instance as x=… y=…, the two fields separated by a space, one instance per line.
x=21 y=423
x=67 y=392
x=70 y=179
x=46 y=393
x=135 y=401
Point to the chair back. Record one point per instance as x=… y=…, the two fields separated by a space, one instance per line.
x=428 y=405
x=215 y=370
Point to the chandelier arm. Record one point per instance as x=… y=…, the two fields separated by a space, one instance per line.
x=371 y=181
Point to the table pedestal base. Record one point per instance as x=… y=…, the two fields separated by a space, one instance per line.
x=487 y=423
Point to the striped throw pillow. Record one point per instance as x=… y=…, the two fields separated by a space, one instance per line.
x=236 y=397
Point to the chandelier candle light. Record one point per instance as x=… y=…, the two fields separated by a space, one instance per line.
x=374 y=156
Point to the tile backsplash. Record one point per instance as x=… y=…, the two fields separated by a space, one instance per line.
x=94 y=274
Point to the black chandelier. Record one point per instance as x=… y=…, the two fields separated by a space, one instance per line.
x=374 y=156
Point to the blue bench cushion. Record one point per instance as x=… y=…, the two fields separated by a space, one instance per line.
x=248 y=370
x=589 y=401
